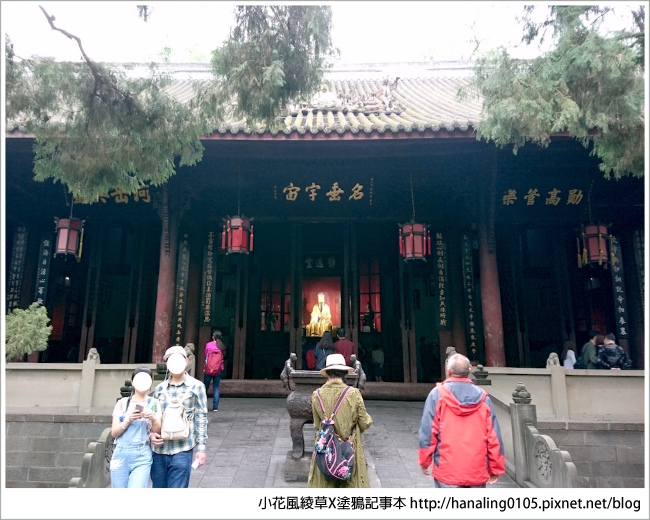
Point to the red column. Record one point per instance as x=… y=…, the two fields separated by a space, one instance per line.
x=490 y=292
x=162 y=332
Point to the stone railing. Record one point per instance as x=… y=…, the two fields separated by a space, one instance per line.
x=579 y=395
x=85 y=387
x=537 y=460
x=532 y=459
x=90 y=387
x=95 y=464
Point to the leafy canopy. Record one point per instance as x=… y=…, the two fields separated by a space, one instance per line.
x=274 y=54
x=99 y=127
x=26 y=331
x=590 y=86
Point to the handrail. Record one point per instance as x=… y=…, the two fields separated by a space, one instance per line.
x=95 y=465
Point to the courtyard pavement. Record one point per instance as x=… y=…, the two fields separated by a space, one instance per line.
x=248 y=441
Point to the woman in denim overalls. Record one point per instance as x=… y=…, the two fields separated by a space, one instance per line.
x=133 y=420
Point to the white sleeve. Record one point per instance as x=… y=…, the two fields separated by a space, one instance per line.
x=119 y=407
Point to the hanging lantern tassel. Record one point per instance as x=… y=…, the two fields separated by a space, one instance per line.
x=81 y=244
x=223 y=237
x=579 y=255
x=600 y=249
x=585 y=253
x=251 y=241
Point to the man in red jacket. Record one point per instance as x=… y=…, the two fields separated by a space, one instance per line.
x=343 y=346
x=460 y=433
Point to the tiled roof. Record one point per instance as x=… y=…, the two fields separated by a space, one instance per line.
x=408 y=105
x=421 y=104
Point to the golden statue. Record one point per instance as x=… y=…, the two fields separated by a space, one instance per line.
x=321 y=318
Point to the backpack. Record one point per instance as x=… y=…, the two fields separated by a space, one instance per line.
x=214 y=363
x=175 y=423
x=334 y=457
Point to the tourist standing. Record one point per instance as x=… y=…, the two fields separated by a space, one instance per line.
x=172 y=459
x=588 y=354
x=323 y=348
x=568 y=355
x=377 y=356
x=217 y=348
x=343 y=346
x=459 y=432
x=612 y=356
x=350 y=422
x=134 y=418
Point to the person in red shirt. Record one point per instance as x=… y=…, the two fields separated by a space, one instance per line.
x=343 y=346
x=460 y=433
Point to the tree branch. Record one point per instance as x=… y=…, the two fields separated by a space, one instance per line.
x=91 y=64
x=100 y=80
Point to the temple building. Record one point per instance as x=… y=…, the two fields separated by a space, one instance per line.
x=374 y=208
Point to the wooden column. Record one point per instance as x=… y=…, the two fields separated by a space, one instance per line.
x=194 y=294
x=241 y=314
x=413 y=346
x=352 y=330
x=295 y=333
x=162 y=332
x=490 y=292
x=455 y=266
x=403 y=296
x=92 y=292
x=134 y=303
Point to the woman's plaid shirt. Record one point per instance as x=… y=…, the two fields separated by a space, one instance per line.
x=196 y=406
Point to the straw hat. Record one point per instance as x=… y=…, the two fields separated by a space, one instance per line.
x=336 y=362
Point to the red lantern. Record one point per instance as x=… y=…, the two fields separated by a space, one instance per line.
x=414 y=241
x=596 y=245
x=237 y=235
x=69 y=236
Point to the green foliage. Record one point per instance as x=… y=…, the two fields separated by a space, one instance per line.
x=275 y=54
x=99 y=127
x=590 y=86
x=26 y=331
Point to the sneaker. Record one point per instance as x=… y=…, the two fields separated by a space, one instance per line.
x=215 y=410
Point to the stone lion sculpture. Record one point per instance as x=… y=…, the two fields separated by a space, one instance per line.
x=191 y=359
x=93 y=355
x=449 y=352
x=553 y=360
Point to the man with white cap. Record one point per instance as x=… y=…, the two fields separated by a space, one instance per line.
x=172 y=459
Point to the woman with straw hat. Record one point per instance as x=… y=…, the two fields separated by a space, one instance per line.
x=349 y=422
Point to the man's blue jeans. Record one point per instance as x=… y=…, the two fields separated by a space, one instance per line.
x=215 y=388
x=172 y=471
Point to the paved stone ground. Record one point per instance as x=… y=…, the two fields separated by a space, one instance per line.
x=249 y=439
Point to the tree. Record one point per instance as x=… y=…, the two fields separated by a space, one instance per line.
x=26 y=331
x=97 y=127
x=589 y=85
x=275 y=54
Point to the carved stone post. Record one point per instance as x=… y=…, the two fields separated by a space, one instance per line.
x=538 y=461
x=522 y=413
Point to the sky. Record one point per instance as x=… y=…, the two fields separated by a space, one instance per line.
x=364 y=32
